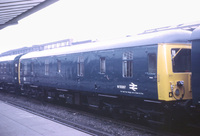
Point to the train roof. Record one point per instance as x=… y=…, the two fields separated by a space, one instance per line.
x=171 y=36
x=196 y=34
x=8 y=58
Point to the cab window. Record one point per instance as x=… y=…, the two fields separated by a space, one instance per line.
x=181 y=60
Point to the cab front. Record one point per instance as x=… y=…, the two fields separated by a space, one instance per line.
x=174 y=72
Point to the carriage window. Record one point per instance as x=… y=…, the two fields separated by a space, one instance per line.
x=127 y=64
x=32 y=68
x=16 y=68
x=181 y=60
x=46 y=72
x=80 y=66
x=1 y=69
x=4 y=68
x=25 y=68
x=9 y=68
x=102 y=65
x=152 y=63
x=58 y=66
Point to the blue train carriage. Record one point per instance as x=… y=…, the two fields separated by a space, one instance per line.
x=195 y=38
x=144 y=72
x=9 y=72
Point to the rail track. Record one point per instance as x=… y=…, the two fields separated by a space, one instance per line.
x=88 y=122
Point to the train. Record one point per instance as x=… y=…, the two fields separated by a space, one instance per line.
x=150 y=76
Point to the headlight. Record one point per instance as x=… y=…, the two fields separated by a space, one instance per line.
x=177 y=92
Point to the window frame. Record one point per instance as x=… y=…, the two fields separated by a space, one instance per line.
x=173 y=62
x=25 y=68
x=80 y=66
x=58 y=66
x=102 y=65
x=32 y=68
x=9 y=68
x=46 y=70
x=127 y=64
x=1 y=68
x=150 y=69
x=4 y=67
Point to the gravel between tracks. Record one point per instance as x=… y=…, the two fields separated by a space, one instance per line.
x=107 y=125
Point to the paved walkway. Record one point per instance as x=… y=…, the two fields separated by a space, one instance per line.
x=16 y=122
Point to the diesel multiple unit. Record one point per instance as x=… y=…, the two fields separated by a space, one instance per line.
x=146 y=76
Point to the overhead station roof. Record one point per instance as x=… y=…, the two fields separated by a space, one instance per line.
x=11 y=11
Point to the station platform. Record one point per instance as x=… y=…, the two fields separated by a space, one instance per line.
x=17 y=122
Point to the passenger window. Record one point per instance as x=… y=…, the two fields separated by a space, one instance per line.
x=102 y=65
x=152 y=63
x=4 y=68
x=1 y=69
x=16 y=67
x=58 y=66
x=46 y=67
x=80 y=66
x=9 y=68
x=127 y=64
x=32 y=68
x=25 y=68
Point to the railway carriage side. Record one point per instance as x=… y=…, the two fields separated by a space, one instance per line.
x=9 y=72
x=109 y=72
x=140 y=76
x=128 y=71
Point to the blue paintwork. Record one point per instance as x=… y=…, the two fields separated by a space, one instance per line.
x=93 y=80
x=196 y=66
x=8 y=75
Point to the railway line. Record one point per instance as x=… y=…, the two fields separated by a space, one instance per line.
x=84 y=120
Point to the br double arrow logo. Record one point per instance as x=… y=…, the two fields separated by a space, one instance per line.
x=133 y=86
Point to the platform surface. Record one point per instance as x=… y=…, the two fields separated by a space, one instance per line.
x=17 y=122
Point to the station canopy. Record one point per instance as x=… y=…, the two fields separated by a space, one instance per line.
x=11 y=11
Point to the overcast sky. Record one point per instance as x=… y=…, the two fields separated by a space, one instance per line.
x=97 y=19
